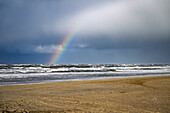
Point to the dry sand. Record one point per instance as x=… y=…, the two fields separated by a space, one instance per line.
x=141 y=94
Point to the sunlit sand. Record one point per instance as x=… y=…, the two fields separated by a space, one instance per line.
x=141 y=94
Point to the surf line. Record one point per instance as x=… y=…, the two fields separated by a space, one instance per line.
x=64 y=44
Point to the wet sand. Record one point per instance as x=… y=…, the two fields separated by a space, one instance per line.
x=140 y=94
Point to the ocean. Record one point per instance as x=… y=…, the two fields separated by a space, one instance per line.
x=14 y=74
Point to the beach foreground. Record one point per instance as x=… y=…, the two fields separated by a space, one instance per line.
x=140 y=94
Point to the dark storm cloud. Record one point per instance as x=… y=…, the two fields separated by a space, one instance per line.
x=39 y=22
x=127 y=30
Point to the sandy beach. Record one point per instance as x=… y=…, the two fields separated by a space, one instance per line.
x=140 y=94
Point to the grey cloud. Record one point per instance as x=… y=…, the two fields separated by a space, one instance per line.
x=24 y=20
x=130 y=18
x=107 y=30
x=123 y=24
x=33 y=20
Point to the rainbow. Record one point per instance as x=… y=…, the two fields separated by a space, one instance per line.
x=64 y=44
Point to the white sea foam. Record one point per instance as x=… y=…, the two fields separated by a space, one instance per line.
x=17 y=74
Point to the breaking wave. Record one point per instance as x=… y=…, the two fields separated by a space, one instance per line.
x=37 y=73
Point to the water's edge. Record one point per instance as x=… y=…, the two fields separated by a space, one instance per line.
x=35 y=73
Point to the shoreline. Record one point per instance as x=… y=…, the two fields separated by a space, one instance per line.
x=132 y=94
x=87 y=79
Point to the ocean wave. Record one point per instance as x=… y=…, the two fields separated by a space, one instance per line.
x=29 y=73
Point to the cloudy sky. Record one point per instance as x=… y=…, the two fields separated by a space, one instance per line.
x=107 y=31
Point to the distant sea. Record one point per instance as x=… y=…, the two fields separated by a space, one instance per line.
x=38 y=73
